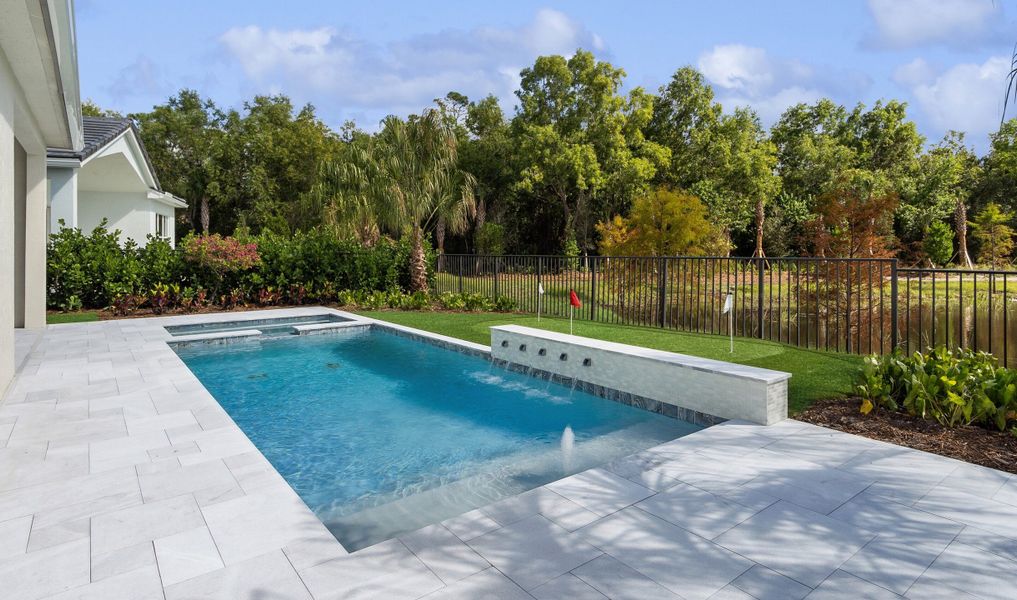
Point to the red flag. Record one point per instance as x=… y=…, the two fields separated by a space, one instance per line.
x=574 y=299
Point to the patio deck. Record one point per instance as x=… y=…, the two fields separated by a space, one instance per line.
x=121 y=477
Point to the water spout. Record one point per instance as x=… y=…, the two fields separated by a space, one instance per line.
x=568 y=443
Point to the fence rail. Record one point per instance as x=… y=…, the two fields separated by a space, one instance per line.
x=856 y=305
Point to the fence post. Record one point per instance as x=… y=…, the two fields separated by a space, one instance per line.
x=460 y=263
x=893 y=306
x=593 y=288
x=497 y=261
x=661 y=291
x=760 y=263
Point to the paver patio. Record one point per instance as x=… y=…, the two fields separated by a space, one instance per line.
x=121 y=477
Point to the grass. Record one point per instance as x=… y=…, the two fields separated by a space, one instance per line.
x=83 y=316
x=816 y=375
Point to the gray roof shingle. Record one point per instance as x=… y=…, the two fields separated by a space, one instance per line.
x=98 y=132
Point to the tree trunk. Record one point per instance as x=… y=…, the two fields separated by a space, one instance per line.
x=439 y=238
x=760 y=219
x=418 y=263
x=961 y=217
x=204 y=215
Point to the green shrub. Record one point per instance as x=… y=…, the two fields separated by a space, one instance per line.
x=93 y=268
x=951 y=388
x=504 y=304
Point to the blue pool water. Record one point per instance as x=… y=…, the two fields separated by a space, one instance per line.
x=381 y=434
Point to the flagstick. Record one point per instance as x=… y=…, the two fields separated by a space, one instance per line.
x=730 y=327
x=572 y=309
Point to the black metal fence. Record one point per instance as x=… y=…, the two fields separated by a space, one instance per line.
x=857 y=305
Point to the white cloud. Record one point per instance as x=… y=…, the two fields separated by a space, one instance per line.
x=966 y=97
x=908 y=23
x=750 y=76
x=140 y=78
x=405 y=75
x=914 y=73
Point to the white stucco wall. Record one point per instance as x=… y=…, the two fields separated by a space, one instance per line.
x=132 y=213
x=63 y=197
x=22 y=201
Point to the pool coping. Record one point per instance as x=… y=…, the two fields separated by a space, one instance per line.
x=205 y=515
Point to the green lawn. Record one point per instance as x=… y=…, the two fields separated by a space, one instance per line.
x=815 y=374
x=83 y=316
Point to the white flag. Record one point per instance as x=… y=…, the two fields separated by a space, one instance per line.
x=540 y=288
x=727 y=304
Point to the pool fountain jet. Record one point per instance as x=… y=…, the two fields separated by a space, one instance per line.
x=568 y=442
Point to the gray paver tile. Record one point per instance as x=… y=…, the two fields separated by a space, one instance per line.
x=765 y=584
x=266 y=576
x=962 y=507
x=313 y=550
x=732 y=593
x=122 y=560
x=255 y=524
x=61 y=533
x=471 y=524
x=559 y=509
x=928 y=589
x=444 y=553
x=488 y=584
x=618 y=581
x=185 y=555
x=147 y=522
x=14 y=536
x=137 y=584
x=1007 y=493
x=46 y=572
x=801 y=544
x=186 y=480
x=686 y=564
x=696 y=510
x=976 y=571
x=600 y=491
x=1001 y=546
x=533 y=551
x=385 y=570
x=976 y=480
x=567 y=586
x=844 y=586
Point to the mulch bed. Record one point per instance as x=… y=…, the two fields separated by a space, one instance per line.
x=976 y=445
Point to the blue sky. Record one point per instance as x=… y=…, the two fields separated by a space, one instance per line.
x=364 y=60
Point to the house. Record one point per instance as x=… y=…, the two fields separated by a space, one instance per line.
x=110 y=178
x=40 y=108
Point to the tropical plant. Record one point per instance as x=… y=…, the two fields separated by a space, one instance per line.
x=407 y=179
x=951 y=388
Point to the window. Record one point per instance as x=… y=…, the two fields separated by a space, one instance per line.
x=162 y=226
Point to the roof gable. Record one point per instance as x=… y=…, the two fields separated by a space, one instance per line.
x=100 y=132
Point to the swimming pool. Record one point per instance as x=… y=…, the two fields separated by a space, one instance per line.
x=267 y=327
x=381 y=434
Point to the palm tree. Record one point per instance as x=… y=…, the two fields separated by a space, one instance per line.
x=406 y=178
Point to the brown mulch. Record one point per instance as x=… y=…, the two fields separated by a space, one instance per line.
x=976 y=445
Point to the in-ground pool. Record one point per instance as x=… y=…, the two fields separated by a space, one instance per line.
x=381 y=434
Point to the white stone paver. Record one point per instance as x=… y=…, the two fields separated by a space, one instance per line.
x=121 y=477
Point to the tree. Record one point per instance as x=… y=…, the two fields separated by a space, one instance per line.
x=854 y=220
x=579 y=143
x=661 y=223
x=183 y=138
x=940 y=189
x=938 y=243
x=89 y=108
x=811 y=148
x=406 y=177
x=995 y=236
x=685 y=117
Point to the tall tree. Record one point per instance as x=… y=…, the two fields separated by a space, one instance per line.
x=406 y=177
x=579 y=142
x=183 y=139
x=995 y=236
x=685 y=117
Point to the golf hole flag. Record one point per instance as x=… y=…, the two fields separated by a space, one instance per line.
x=574 y=303
x=540 y=297
x=728 y=305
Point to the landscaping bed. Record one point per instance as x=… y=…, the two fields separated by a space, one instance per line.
x=973 y=444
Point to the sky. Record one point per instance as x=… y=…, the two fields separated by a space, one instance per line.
x=361 y=61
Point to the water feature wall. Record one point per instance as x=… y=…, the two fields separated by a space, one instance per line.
x=712 y=387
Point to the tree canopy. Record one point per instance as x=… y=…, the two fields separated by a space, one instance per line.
x=580 y=148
